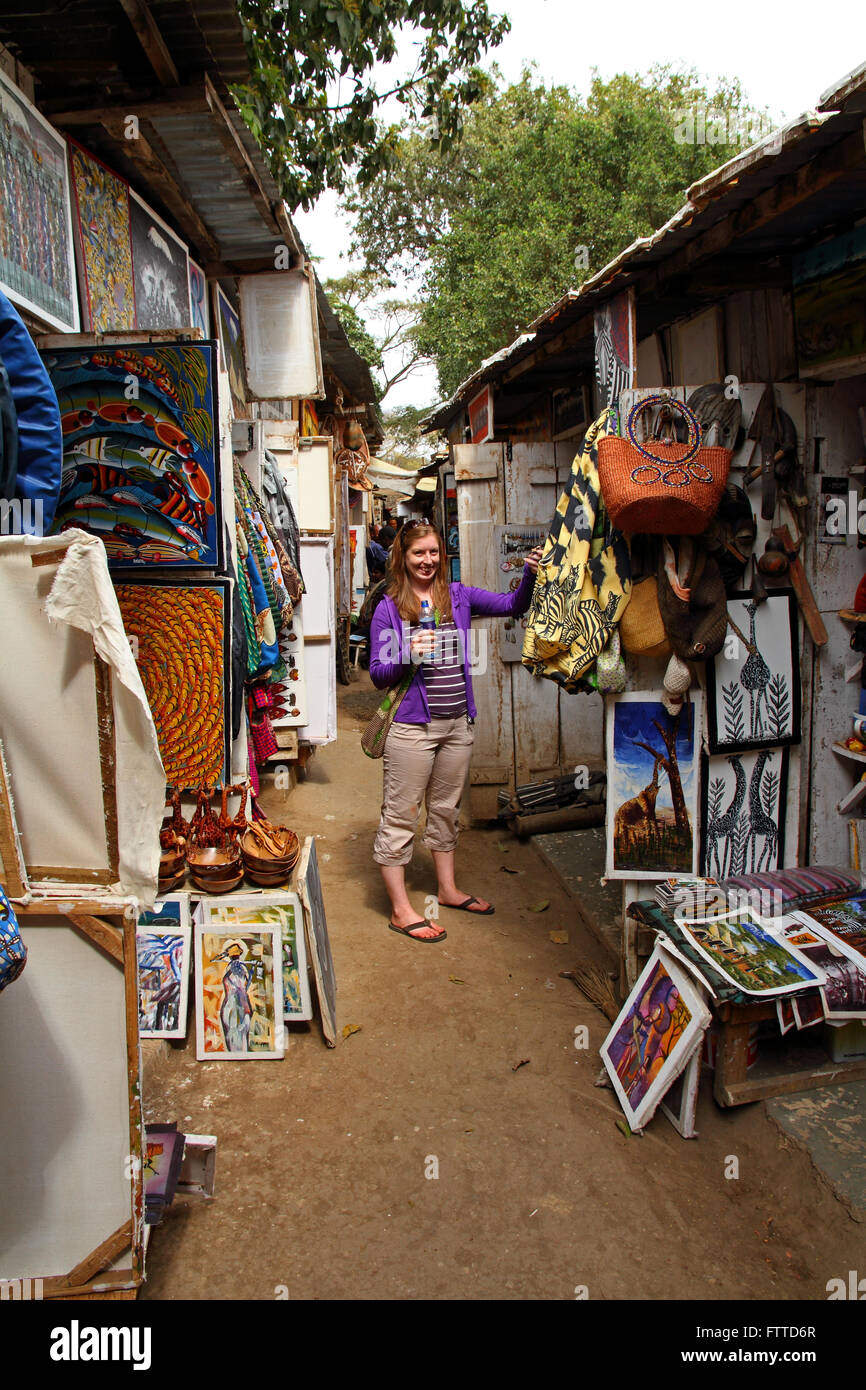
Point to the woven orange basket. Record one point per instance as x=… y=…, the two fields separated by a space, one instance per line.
x=657 y=487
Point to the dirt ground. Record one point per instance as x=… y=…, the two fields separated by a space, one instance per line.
x=326 y=1161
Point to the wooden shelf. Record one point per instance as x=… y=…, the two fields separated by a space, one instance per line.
x=849 y=753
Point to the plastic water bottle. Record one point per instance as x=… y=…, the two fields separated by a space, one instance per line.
x=427 y=624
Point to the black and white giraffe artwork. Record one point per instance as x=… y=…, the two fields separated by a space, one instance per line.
x=743 y=812
x=753 y=687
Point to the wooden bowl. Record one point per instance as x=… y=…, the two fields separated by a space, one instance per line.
x=270 y=880
x=255 y=853
x=213 y=861
x=218 y=885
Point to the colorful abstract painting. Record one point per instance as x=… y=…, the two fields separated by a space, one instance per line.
x=660 y=1026
x=104 y=243
x=751 y=953
x=163 y=1157
x=160 y=267
x=281 y=910
x=843 y=994
x=652 y=786
x=37 y=263
x=141 y=451
x=238 y=993
x=845 y=919
x=162 y=942
x=179 y=635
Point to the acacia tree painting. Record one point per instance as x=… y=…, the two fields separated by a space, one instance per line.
x=652 y=817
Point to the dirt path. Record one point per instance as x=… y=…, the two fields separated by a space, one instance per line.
x=322 y=1163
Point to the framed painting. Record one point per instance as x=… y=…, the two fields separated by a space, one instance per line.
x=843 y=994
x=743 y=806
x=103 y=243
x=278 y=909
x=71 y=1204
x=37 y=261
x=659 y=1028
x=163 y=945
x=310 y=891
x=141 y=452
x=845 y=920
x=163 y=1156
x=181 y=640
x=750 y=953
x=160 y=269
x=199 y=307
x=228 y=327
x=239 y=1013
x=652 y=789
x=753 y=687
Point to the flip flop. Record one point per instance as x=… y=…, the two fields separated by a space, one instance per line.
x=413 y=926
x=465 y=906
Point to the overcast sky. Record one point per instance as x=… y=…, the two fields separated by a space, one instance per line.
x=785 y=55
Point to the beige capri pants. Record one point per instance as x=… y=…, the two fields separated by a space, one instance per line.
x=422 y=763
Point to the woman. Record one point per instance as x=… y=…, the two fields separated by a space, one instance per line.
x=429 y=744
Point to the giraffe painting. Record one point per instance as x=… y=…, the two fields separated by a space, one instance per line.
x=652 y=789
x=743 y=814
x=755 y=690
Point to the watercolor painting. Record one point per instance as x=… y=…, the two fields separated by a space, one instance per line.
x=652 y=791
x=743 y=812
x=845 y=919
x=141 y=452
x=238 y=993
x=180 y=635
x=104 y=243
x=750 y=954
x=753 y=686
x=661 y=1024
x=282 y=910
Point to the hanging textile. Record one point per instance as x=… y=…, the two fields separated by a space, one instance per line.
x=282 y=516
x=582 y=586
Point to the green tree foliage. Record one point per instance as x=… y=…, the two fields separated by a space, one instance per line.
x=544 y=188
x=312 y=103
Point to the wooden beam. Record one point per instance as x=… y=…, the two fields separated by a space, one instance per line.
x=101 y=933
x=847 y=156
x=178 y=101
x=151 y=41
x=552 y=347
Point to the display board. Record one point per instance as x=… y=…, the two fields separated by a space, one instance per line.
x=281 y=335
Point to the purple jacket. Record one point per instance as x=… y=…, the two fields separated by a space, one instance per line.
x=390 y=656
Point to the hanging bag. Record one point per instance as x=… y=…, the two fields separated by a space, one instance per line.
x=376 y=732
x=661 y=486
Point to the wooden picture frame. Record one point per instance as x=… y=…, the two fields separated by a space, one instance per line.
x=160 y=270
x=277 y=908
x=103 y=243
x=316 y=485
x=77 y=1195
x=318 y=941
x=13 y=872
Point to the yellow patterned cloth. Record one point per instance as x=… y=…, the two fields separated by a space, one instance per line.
x=582 y=587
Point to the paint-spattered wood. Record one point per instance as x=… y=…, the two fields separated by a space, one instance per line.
x=534 y=701
x=480 y=507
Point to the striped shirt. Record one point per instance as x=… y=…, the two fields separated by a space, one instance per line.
x=443 y=676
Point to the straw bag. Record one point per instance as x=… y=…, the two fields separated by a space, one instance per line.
x=640 y=627
x=661 y=487
x=376 y=732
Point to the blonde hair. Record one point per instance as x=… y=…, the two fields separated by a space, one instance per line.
x=400 y=586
